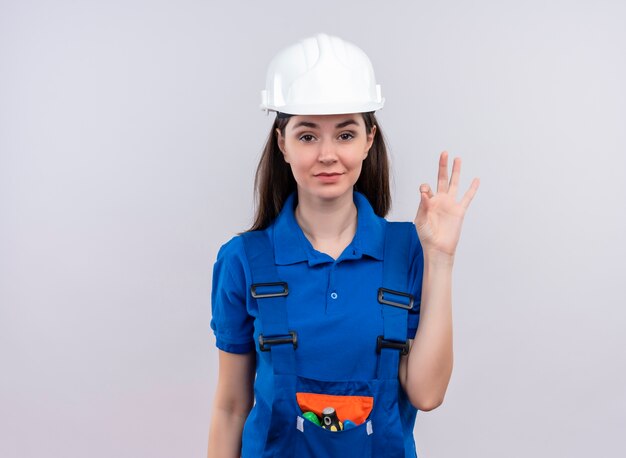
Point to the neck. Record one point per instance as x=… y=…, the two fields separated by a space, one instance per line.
x=329 y=225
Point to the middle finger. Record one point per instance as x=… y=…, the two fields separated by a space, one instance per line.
x=442 y=181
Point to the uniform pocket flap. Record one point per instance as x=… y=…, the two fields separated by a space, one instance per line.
x=355 y=408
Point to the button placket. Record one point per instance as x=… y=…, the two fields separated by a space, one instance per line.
x=331 y=293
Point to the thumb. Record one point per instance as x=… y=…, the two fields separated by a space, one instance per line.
x=425 y=192
x=424 y=200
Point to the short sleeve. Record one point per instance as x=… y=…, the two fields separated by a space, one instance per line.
x=231 y=323
x=416 y=273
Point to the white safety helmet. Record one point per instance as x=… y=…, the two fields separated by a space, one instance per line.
x=321 y=75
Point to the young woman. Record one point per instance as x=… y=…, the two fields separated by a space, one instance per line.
x=333 y=325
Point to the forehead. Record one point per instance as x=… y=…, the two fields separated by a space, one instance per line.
x=325 y=121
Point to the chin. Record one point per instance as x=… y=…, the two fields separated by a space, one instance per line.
x=329 y=193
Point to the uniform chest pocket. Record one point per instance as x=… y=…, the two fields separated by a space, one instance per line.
x=314 y=441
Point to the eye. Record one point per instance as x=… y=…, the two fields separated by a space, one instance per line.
x=346 y=136
x=307 y=138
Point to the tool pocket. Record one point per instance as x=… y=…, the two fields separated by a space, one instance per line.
x=356 y=408
x=314 y=441
x=350 y=401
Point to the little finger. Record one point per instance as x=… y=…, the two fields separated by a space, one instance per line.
x=469 y=195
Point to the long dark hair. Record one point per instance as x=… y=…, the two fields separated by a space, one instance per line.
x=274 y=181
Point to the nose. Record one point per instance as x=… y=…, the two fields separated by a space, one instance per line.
x=327 y=152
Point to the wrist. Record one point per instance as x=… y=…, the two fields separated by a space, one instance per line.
x=438 y=258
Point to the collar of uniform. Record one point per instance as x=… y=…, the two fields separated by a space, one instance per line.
x=288 y=244
x=370 y=231
x=291 y=245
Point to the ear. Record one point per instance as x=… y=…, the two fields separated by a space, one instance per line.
x=281 y=143
x=370 y=140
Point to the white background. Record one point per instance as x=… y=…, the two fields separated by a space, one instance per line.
x=129 y=135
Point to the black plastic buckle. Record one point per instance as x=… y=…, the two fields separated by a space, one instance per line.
x=382 y=300
x=256 y=295
x=398 y=345
x=266 y=342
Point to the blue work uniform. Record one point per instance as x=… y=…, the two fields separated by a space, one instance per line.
x=332 y=305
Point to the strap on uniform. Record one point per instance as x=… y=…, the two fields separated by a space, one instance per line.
x=271 y=296
x=394 y=300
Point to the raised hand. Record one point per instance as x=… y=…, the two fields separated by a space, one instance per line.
x=439 y=217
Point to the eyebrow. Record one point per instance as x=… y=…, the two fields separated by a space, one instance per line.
x=312 y=125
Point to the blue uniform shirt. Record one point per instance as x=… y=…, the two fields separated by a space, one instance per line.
x=332 y=304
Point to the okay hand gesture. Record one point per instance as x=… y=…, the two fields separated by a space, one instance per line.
x=439 y=217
